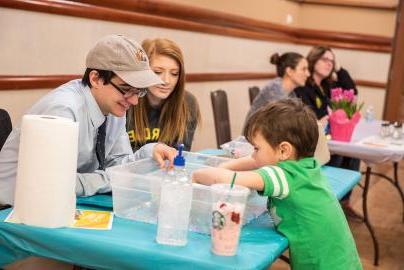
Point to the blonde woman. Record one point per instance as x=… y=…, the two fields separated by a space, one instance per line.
x=168 y=113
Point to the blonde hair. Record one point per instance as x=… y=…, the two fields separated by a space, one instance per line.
x=175 y=112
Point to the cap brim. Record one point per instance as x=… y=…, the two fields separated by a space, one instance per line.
x=139 y=79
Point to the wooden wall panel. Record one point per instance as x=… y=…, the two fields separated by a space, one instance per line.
x=175 y=16
x=395 y=91
x=52 y=81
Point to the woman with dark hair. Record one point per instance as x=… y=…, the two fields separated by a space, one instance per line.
x=326 y=75
x=292 y=71
x=168 y=113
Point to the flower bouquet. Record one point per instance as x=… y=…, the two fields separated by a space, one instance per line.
x=345 y=114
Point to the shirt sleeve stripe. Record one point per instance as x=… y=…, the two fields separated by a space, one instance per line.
x=279 y=181
x=274 y=180
x=281 y=174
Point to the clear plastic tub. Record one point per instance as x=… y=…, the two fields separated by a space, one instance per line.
x=237 y=148
x=136 y=192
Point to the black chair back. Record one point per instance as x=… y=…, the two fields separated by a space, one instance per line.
x=221 y=116
x=5 y=126
x=253 y=92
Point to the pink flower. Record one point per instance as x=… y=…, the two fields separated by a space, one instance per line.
x=349 y=95
x=336 y=94
x=345 y=100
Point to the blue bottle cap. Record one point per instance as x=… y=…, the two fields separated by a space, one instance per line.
x=179 y=160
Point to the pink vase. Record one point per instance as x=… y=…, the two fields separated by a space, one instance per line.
x=341 y=126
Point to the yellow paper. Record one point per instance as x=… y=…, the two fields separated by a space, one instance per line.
x=93 y=219
x=83 y=219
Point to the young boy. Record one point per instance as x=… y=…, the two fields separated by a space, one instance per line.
x=282 y=167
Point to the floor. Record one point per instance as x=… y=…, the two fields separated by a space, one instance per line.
x=386 y=213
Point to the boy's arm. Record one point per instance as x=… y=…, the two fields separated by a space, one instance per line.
x=210 y=176
x=240 y=164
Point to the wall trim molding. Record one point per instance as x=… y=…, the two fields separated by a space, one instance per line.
x=182 y=17
x=31 y=82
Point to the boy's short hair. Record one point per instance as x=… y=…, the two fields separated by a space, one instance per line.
x=105 y=75
x=286 y=120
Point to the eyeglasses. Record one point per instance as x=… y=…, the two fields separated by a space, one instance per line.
x=328 y=60
x=130 y=91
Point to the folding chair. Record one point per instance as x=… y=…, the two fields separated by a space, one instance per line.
x=5 y=126
x=221 y=116
x=253 y=92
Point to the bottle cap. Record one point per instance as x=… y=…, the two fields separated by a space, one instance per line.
x=179 y=160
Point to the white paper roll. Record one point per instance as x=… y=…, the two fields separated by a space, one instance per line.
x=46 y=172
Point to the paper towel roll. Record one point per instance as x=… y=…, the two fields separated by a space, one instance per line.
x=46 y=172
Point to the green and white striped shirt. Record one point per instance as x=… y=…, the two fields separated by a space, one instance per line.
x=307 y=212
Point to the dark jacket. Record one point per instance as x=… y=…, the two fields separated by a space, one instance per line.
x=319 y=98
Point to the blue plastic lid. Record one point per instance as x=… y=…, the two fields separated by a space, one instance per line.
x=179 y=160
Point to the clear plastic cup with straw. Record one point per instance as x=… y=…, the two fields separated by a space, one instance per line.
x=228 y=205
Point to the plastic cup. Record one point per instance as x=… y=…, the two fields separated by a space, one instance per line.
x=228 y=207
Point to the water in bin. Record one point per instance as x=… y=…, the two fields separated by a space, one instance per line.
x=136 y=192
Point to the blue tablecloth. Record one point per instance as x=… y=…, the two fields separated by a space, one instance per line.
x=131 y=244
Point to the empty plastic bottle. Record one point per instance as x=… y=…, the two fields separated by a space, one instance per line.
x=370 y=114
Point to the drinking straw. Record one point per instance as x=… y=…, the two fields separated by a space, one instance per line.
x=232 y=181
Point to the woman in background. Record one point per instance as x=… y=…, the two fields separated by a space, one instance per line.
x=168 y=113
x=292 y=71
x=326 y=75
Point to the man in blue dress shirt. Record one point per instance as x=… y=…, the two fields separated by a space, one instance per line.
x=117 y=75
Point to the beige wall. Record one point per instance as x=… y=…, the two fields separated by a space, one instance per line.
x=268 y=10
x=53 y=44
x=346 y=19
x=354 y=20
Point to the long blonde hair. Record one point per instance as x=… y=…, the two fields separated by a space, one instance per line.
x=175 y=112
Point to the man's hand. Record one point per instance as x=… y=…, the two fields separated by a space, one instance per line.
x=162 y=152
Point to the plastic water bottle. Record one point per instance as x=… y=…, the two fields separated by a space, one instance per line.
x=175 y=204
x=370 y=114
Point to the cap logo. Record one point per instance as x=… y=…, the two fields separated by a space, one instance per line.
x=141 y=56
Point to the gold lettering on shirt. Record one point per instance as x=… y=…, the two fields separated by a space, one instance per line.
x=147 y=131
x=156 y=134
x=131 y=134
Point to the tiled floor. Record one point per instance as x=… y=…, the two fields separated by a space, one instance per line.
x=385 y=211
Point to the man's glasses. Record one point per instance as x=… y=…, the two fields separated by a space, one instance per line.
x=130 y=91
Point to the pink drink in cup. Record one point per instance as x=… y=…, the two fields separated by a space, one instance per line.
x=228 y=207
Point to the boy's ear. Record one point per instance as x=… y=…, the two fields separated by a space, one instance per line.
x=286 y=151
x=95 y=80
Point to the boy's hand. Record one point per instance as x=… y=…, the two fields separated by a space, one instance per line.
x=162 y=152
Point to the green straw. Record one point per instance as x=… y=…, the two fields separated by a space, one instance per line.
x=232 y=181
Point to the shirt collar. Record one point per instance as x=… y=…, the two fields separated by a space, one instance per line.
x=96 y=115
x=308 y=162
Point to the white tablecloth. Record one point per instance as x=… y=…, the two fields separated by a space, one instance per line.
x=368 y=146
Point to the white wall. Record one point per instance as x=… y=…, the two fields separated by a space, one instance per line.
x=38 y=43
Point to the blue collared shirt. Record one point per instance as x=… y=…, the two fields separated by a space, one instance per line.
x=73 y=100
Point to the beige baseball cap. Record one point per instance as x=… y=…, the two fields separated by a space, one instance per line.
x=126 y=58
